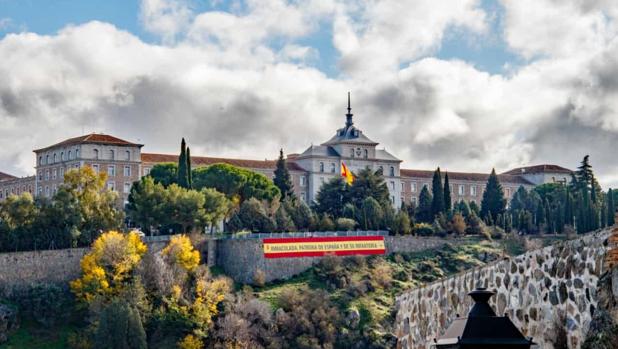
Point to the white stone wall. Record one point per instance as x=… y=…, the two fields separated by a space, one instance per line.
x=533 y=289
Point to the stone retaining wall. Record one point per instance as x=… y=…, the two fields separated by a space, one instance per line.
x=540 y=291
x=242 y=258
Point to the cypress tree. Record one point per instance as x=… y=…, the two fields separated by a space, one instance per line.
x=494 y=202
x=423 y=212
x=437 y=192
x=447 y=194
x=611 y=208
x=189 y=175
x=282 y=178
x=183 y=178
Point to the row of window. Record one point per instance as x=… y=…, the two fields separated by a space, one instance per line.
x=52 y=159
x=58 y=173
x=15 y=191
x=70 y=155
x=333 y=169
x=50 y=191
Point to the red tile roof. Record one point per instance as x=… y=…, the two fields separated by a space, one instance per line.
x=6 y=176
x=205 y=161
x=538 y=169
x=96 y=138
x=465 y=176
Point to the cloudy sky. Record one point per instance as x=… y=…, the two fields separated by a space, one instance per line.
x=467 y=85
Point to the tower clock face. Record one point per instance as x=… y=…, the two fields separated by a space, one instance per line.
x=358 y=151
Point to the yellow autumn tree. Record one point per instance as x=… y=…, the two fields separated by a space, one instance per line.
x=180 y=250
x=107 y=267
x=190 y=342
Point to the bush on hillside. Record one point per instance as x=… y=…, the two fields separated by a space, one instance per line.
x=345 y=224
x=422 y=229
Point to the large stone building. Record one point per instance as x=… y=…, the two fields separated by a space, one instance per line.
x=124 y=163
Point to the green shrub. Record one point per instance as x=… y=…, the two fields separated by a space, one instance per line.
x=46 y=304
x=423 y=229
x=345 y=224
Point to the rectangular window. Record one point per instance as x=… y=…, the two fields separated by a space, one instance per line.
x=54 y=173
x=95 y=167
x=111 y=185
x=62 y=172
x=127 y=171
x=303 y=181
x=413 y=187
x=462 y=190
x=473 y=190
x=40 y=175
x=111 y=171
x=402 y=186
x=47 y=175
x=393 y=188
x=127 y=187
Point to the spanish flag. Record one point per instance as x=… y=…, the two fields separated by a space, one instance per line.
x=347 y=174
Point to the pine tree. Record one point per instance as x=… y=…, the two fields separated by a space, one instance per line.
x=437 y=192
x=183 y=178
x=584 y=172
x=282 y=179
x=189 y=175
x=447 y=194
x=611 y=208
x=494 y=202
x=423 y=211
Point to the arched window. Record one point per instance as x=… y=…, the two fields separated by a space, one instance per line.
x=366 y=153
x=46 y=159
x=40 y=160
x=61 y=156
x=96 y=153
x=392 y=171
x=321 y=167
x=76 y=153
x=55 y=158
x=111 y=155
x=128 y=157
x=70 y=155
x=332 y=167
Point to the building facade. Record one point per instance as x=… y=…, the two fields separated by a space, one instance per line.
x=124 y=163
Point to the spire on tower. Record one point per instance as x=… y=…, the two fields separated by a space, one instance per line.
x=349 y=115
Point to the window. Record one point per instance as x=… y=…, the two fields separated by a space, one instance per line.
x=40 y=160
x=46 y=159
x=351 y=152
x=413 y=187
x=96 y=154
x=61 y=156
x=392 y=173
x=111 y=186
x=127 y=171
x=332 y=167
x=111 y=170
x=146 y=171
x=70 y=155
x=303 y=181
x=40 y=191
x=403 y=186
x=127 y=187
x=508 y=192
x=76 y=153
x=47 y=175
x=321 y=167
x=55 y=158
x=54 y=173
x=40 y=175
x=111 y=155
x=473 y=190
x=47 y=191
x=62 y=172
x=366 y=153
x=393 y=185
x=95 y=167
x=127 y=155
x=462 y=190
x=393 y=199
x=381 y=168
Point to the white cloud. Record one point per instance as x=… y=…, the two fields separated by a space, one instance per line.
x=219 y=80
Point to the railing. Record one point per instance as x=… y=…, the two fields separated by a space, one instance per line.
x=301 y=234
